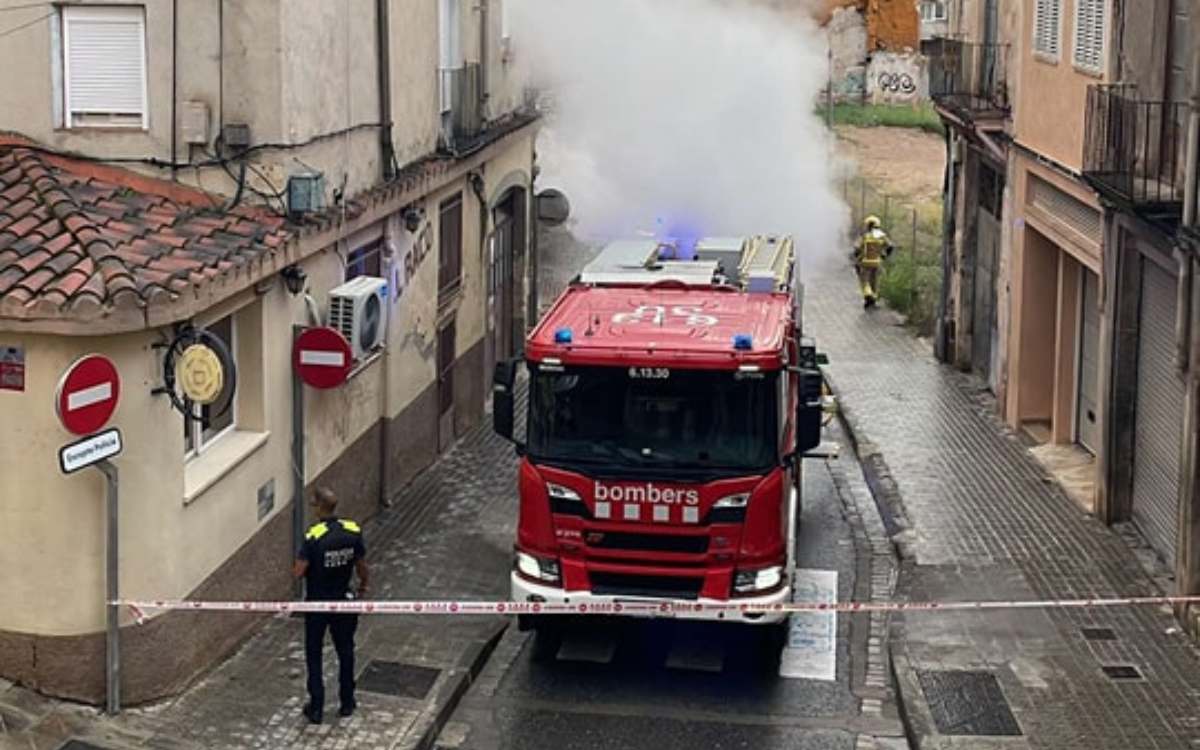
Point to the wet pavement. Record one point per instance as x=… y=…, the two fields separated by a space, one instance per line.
x=979 y=519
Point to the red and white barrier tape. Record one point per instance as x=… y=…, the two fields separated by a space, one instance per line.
x=661 y=608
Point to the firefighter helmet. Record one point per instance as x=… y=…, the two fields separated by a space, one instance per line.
x=871 y=222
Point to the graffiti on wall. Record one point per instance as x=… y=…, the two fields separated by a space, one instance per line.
x=896 y=78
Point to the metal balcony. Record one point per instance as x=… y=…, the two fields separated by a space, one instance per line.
x=1133 y=150
x=461 y=93
x=969 y=80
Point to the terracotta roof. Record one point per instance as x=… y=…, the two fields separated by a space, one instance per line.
x=79 y=239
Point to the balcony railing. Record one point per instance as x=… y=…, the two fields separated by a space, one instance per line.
x=1134 y=149
x=461 y=93
x=969 y=78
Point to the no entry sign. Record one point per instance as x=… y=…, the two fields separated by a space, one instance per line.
x=87 y=394
x=322 y=357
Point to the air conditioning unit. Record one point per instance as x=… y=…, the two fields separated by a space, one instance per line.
x=358 y=309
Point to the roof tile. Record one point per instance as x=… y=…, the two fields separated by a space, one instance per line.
x=70 y=283
x=81 y=239
x=36 y=280
x=24 y=226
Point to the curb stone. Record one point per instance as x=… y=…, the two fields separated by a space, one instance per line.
x=888 y=543
x=452 y=690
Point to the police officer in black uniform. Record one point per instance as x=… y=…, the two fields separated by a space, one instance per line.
x=333 y=549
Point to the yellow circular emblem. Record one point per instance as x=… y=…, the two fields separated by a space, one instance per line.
x=200 y=374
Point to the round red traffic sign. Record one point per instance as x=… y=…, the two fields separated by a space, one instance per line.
x=322 y=357
x=87 y=394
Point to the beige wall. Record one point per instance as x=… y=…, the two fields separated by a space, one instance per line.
x=293 y=70
x=180 y=520
x=1052 y=95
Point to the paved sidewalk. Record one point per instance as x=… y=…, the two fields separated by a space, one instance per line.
x=448 y=534
x=985 y=522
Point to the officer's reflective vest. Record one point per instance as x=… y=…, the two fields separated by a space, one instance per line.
x=872 y=246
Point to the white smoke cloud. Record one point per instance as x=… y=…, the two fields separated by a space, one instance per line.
x=684 y=117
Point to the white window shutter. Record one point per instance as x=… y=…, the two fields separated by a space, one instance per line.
x=1047 y=25
x=1089 y=34
x=104 y=51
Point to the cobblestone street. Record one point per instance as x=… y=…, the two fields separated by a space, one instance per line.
x=985 y=522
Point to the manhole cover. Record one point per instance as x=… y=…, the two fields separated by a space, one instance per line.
x=80 y=745
x=967 y=703
x=395 y=678
x=1122 y=672
x=1098 y=634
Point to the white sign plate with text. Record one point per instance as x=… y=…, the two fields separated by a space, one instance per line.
x=90 y=450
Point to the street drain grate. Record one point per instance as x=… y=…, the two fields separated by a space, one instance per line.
x=1098 y=634
x=80 y=745
x=395 y=678
x=968 y=703
x=1121 y=672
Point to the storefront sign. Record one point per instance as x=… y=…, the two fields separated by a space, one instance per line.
x=201 y=375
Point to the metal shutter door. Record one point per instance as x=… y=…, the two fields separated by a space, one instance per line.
x=1089 y=363
x=1159 y=425
x=105 y=60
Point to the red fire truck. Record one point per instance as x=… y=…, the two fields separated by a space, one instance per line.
x=671 y=397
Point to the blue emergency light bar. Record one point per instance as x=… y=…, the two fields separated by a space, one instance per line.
x=742 y=342
x=562 y=336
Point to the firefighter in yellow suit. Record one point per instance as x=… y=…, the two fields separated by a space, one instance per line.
x=872 y=247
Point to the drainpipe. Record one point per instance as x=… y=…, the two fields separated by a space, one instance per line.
x=1183 y=309
x=483 y=59
x=385 y=442
x=174 y=83
x=1193 y=144
x=533 y=262
x=384 y=64
x=1183 y=315
x=950 y=189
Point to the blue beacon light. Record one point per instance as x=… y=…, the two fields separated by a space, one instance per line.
x=562 y=336
x=742 y=342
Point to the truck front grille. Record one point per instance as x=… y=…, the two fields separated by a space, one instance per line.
x=663 y=587
x=695 y=545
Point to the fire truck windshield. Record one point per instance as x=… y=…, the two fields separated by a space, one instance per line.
x=706 y=420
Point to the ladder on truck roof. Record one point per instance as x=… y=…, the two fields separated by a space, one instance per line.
x=759 y=263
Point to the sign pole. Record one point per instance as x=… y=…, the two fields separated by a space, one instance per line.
x=297 y=461
x=112 y=672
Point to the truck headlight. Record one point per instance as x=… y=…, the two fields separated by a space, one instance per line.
x=558 y=492
x=565 y=501
x=739 y=500
x=730 y=509
x=752 y=581
x=538 y=568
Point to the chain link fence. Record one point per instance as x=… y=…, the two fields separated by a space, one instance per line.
x=912 y=278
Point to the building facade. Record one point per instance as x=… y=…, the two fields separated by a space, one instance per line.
x=1071 y=290
x=1141 y=157
x=224 y=166
x=972 y=75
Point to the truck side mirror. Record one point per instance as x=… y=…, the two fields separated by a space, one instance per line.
x=808 y=411
x=503 y=378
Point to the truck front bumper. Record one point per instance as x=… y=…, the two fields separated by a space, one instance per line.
x=524 y=590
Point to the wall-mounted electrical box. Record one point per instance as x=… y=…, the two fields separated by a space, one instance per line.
x=305 y=193
x=193 y=123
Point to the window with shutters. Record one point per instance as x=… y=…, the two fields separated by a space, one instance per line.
x=1089 y=35
x=104 y=66
x=1047 y=29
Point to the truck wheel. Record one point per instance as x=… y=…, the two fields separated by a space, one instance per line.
x=547 y=634
x=774 y=638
